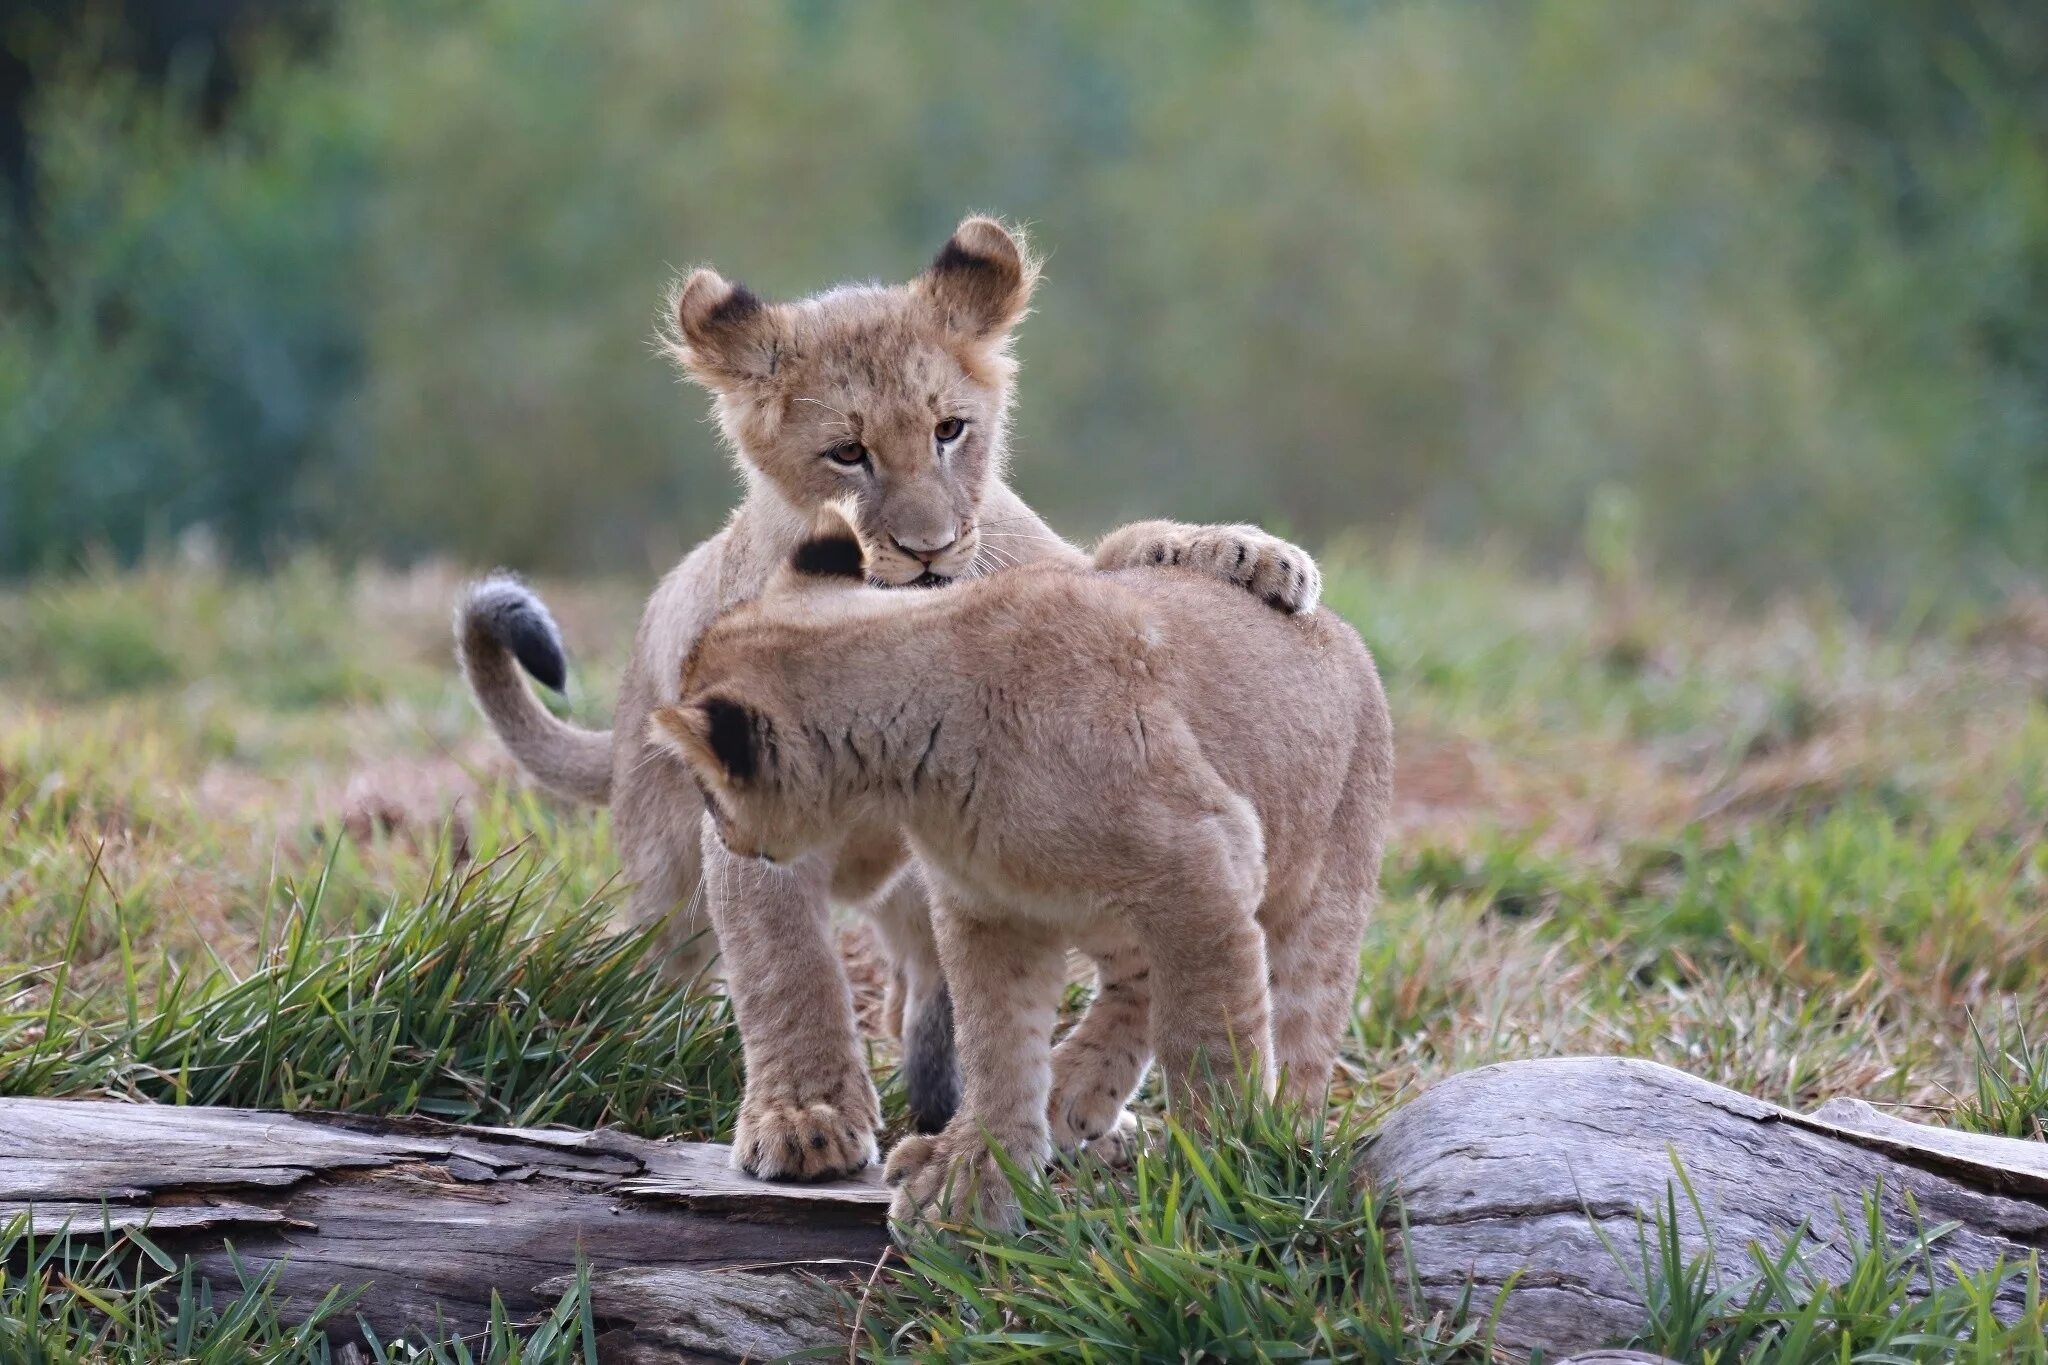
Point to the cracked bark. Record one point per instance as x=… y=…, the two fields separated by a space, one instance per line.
x=1515 y=1171
x=1502 y=1173
x=690 y=1260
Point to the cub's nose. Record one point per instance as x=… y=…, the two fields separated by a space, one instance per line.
x=925 y=549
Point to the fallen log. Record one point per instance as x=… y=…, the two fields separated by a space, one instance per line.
x=690 y=1261
x=1509 y=1173
x=1514 y=1172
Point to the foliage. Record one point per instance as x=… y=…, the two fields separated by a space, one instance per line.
x=123 y=1301
x=1769 y=276
x=1253 y=1239
x=177 y=343
x=1898 y=1300
x=461 y=1005
x=2012 y=1085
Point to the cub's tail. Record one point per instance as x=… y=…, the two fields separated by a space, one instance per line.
x=501 y=620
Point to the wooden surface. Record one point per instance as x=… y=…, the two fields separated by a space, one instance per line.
x=1506 y=1170
x=432 y=1217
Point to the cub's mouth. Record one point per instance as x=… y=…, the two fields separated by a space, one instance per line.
x=927 y=579
x=895 y=568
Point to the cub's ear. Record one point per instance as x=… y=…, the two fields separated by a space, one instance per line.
x=721 y=332
x=982 y=278
x=719 y=738
x=833 y=547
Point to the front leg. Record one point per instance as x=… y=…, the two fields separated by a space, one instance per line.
x=1006 y=981
x=809 y=1111
x=1279 y=571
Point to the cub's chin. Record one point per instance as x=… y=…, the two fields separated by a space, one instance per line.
x=927 y=579
x=893 y=571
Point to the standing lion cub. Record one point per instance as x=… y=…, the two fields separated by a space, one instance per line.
x=898 y=395
x=1149 y=765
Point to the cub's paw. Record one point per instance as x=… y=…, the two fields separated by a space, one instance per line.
x=1279 y=571
x=1118 y=1147
x=1087 y=1102
x=776 y=1141
x=952 y=1178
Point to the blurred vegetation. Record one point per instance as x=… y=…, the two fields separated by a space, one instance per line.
x=1765 y=284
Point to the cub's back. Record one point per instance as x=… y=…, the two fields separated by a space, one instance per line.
x=1225 y=643
x=1283 y=705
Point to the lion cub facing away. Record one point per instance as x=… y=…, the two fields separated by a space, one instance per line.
x=1149 y=765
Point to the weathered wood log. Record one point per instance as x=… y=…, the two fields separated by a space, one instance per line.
x=1512 y=1172
x=1506 y=1172
x=690 y=1260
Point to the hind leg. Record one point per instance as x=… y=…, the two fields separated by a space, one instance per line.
x=657 y=813
x=1312 y=947
x=1099 y=1064
x=1196 y=917
x=931 y=1077
x=1312 y=961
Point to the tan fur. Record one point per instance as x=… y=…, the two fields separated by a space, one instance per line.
x=1146 y=764
x=880 y=367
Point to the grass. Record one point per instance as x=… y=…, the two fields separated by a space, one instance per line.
x=1771 y=1308
x=2011 y=1098
x=464 y=1006
x=73 y=1301
x=1250 y=1242
x=259 y=850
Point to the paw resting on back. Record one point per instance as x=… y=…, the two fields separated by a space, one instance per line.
x=1276 y=570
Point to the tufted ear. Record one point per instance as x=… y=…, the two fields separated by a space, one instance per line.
x=981 y=280
x=718 y=737
x=833 y=547
x=722 y=333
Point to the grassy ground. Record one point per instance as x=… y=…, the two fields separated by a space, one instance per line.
x=1776 y=849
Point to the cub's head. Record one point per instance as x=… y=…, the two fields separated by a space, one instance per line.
x=772 y=764
x=896 y=395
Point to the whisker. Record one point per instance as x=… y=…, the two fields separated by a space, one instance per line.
x=1001 y=558
x=1017 y=551
x=844 y=420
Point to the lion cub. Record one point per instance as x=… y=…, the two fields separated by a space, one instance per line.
x=1150 y=765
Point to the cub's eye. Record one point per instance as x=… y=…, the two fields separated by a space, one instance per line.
x=949 y=430
x=848 y=454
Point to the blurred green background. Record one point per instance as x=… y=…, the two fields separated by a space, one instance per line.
x=1760 y=287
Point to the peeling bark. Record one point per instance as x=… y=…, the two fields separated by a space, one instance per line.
x=691 y=1261
x=1507 y=1173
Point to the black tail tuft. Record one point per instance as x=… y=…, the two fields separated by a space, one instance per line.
x=931 y=1075
x=512 y=615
